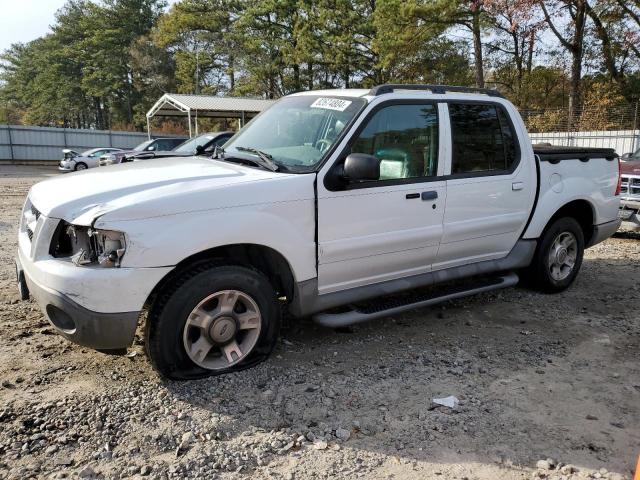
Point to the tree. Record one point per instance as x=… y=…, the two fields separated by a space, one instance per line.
x=516 y=28
x=199 y=35
x=468 y=14
x=413 y=51
x=616 y=26
x=574 y=14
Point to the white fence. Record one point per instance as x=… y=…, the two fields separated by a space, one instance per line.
x=622 y=141
x=18 y=143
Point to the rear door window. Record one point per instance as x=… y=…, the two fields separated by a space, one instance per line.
x=483 y=139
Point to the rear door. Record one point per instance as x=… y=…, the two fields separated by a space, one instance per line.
x=491 y=184
x=373 y=231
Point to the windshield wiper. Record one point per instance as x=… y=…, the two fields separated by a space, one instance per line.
x=265 y=161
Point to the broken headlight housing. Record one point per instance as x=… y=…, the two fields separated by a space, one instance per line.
x=88 y=246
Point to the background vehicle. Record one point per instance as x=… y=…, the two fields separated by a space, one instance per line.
x=631 y=156
x=374 y=201
x=204 y=144
x=73 y=161
x=156 y=144
x=630 y=192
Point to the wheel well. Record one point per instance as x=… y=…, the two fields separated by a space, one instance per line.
x=264 y=259
x=582 y=212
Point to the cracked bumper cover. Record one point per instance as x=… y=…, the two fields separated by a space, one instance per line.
x=101 y=331
x=96 y=308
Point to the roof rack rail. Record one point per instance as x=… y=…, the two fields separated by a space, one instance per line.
x=437 y=89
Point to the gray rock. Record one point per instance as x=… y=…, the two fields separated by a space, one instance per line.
x=543 y=465
x=51 y=449
x=343 y=434
x=87 y=472
x=188 y=438
x=320 y=445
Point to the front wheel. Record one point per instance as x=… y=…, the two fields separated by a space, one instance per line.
x=80 y=166
x=213 y=320
x=559 y=256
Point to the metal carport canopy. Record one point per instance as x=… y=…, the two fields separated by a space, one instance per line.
x=177 y=104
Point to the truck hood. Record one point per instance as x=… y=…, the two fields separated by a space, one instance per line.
x=630 y=168
x=146 y=189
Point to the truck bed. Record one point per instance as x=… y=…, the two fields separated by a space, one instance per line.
x=569 y=174
x=554 y=154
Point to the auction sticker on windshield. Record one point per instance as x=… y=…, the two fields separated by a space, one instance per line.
x=331 y=104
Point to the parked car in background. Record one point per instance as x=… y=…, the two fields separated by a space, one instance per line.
x=337 y=198
x=156 y=144
x=631 y=156
x=204 y=144
x=73 y=160
x=630 y=191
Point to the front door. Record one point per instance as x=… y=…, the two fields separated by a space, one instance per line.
x=490 y=187
x=384 y=229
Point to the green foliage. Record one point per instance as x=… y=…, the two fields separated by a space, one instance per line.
x=107 y=61
x=82 y=73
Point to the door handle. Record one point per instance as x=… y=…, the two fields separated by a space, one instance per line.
x=409 y=196
x=431 y=195
x=517 y=186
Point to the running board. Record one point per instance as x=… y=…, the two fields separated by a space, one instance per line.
x=382 y=308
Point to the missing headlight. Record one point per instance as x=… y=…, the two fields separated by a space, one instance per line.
x=109 y=247
x=87 y=246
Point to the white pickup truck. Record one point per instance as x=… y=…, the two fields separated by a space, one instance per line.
x=336 y=198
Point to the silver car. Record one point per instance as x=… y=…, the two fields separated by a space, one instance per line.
x=74 y=161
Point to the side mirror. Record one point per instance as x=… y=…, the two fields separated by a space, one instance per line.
x=199 y=150
x=360 y=167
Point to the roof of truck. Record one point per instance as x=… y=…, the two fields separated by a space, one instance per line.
x=405 y=88
x=337 y=92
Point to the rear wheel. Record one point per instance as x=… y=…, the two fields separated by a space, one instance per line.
x=214 y=320
x=559 y=256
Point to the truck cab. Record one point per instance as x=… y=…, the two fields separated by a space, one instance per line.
x=374 y=201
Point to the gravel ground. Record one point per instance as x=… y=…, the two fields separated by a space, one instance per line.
x=549 y=387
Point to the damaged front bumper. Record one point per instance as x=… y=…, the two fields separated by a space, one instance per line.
x=101 y=331
x=93 y=306
x=66 y=166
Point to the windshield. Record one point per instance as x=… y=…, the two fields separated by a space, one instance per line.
x=86 y=153
x=298 y=131
x=143 y=145
x=190 y=145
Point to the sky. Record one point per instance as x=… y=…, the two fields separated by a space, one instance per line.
x=26 y=20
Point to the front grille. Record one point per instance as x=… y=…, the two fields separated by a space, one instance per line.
x=630 y=187
x=30 y=217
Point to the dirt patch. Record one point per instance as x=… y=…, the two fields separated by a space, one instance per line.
x=537 y=377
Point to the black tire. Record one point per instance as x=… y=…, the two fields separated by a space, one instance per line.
x=82 y=165
x=168 y=316
x=539 y=273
